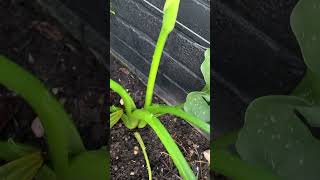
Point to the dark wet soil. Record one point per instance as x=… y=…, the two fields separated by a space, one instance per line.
x=125 y=164
x=38 y=43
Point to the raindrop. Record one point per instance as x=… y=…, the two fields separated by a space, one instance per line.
x=273 y=120
x=265 y=124
x=301 y=161
x=259 y=131
x=287 y=146
x=291 y=129
x=272 y=163
x=314 y=37
x=302 y=35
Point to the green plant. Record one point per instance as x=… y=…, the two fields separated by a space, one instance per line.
x=68 y=158
x=133 y=117
x=198 y=102
x=276 y=136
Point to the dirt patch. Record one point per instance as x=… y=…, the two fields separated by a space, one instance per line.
x=126 y=165
x=42 y=46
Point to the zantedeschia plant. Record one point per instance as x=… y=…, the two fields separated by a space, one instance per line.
x=133 y=117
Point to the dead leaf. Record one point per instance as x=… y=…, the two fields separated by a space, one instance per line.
x=206 y=155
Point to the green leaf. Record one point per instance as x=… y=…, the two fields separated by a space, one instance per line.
x=205 y=68
x=306 y=27
x=197 y=104
x=311 y=115
x=11 y=150
x=24 y=168
x=115 y=116
x=233 y=167
x=90 y=165
x=274 y=138
x=184 y=169
x=177 y=111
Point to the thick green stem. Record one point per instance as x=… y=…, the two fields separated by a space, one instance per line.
x=129 y=104
x=172 y=148
x=155 y=65
x=223 y=162
x=154 y=109
x=57 y=125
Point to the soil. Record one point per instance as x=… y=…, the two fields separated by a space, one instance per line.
x=37 y=42
x=125 y=164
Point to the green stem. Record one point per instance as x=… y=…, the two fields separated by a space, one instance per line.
x=223 y=162
x=143 y=147
x=129 y=104
x=172 y=148
x=225 y=140
x=154 y=109
x=57 y=125
x=155 y=65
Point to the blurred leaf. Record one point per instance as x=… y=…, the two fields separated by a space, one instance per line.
x=45 y=173
x=90 y=165
x=306 y=27
x=311 y=114
x=273 y=137
x=24 y=168
x=10 y=150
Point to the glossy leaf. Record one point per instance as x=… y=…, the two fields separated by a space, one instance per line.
x=197 y=104
x=306 y=27
x=205 y=68
x=275 y=138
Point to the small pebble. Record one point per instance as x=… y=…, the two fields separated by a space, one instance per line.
x=55 y=91
x=132 y=173
x=30 y=59
x=136 y=150
x=37 y=128
x=121 y=101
